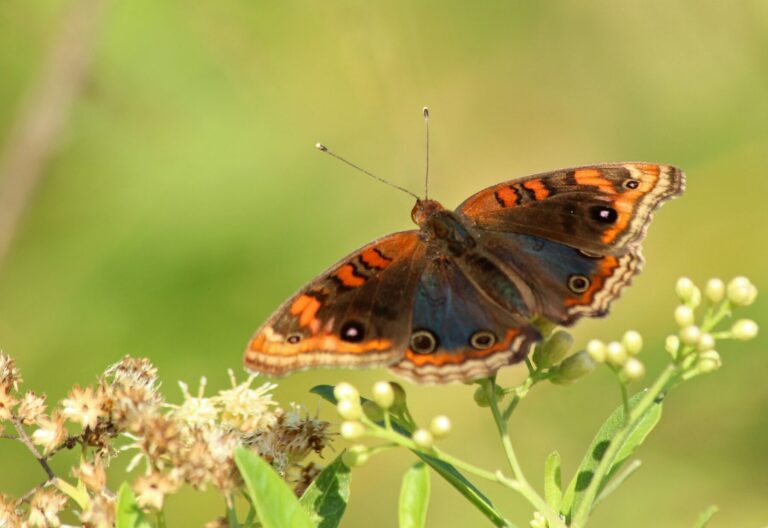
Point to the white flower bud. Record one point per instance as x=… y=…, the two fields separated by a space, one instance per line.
x=349 y=409
x=596 y=350
x=684 y=289
x=672 y=345
x=744 y=329
x=352 y=430
x=345 y=391
x=355 y=456
x=690 y=335
x=684 y=316
x=709 y=361
x=383 y=394
x=615 y=353
x=538 y=521
x=423 y=438
x=706 y=342
x=632 y=341
x=633 y=369
x=741 y=292
x=440 y=426
x=715 y=290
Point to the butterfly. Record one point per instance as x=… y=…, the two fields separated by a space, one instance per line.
x=453 y=300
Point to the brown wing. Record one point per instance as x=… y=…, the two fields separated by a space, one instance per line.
x=357 y=313
x=601 y=209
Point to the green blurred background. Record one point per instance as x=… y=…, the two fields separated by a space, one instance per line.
x=185 y=201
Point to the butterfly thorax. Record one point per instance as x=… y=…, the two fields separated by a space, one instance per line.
x=424 y=209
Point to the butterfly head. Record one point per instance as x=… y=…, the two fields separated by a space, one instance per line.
x=423 y=210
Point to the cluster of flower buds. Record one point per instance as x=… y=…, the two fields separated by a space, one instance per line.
x=695 y=344
x=620 y=355
x=363 y=417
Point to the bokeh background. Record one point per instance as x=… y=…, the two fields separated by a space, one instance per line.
x=179 y=200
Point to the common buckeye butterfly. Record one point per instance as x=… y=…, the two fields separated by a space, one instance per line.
x=453 y=300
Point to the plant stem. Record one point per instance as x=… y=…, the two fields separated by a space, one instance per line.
x=667 y=377
x=161 y=519
x=523 y=486
x=24 y=439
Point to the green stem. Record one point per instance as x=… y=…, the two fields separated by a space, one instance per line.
x=232 y=521
x=161 y=519
x=624 y=401
x=667 y=377
x=522 y=484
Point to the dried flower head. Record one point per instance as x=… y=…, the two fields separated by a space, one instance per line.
x=152 y=489
x=158 y=441
x=7 y=403
x=132 y=372
x=100 y=512
x=92 y=474
x=50 y=433
x=31 y=408
x=44 y=508
x=245 y=409
x=10 y=377
x=84 y=406
x=8 y=514
x=196 y=410
x=307 y=475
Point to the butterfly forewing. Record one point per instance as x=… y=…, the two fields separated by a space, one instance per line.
x=352 y=315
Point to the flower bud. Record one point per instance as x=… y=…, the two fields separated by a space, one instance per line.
x=383 y=394
x=345 y=391
x=709 y=361
x=573 y=368
x=706 y=342
x=349 y=409
x=741 y=292
x=672 y=345
x=715 y=290
x=615 y=353
x=553 y=350
x=355 y=456
x=596 y=350
x=690 y=335
x=440 y=426
x=423 y=438
x=481 y=397
x=684 y=289
x=538 y=521
x=684 y=316
x=633 y=369
x=632 y=341
x=744 y=329
x=351 y=430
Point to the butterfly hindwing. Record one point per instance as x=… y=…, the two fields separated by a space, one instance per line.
x=351 y=315
x=600 y=209
x=458 y=333
x=565 y=283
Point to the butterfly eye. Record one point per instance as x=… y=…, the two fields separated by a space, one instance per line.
x=423 y=342
x=578 y=283
x=482 y=340
x=352 y=331
x=631 y=184
x=293 y=338
x=604 y=215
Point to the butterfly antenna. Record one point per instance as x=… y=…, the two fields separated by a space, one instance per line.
x=426 y=175
x=325 y=149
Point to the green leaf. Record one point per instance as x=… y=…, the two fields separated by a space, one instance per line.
x=414 y=497
x=326 y=498
x=615 y=423
x=553 y=492
x=706 y=516
x=78 y=493
x=445 y=470
x=276 y=505
x=128 y=513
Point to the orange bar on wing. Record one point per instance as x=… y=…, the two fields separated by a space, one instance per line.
x=372 y=259
x=540 y=191
x=593 y=177
x=346 y=275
